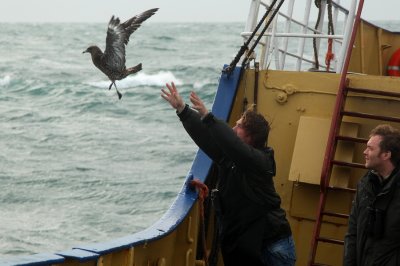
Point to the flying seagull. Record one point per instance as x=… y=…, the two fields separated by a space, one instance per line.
x=112 y=61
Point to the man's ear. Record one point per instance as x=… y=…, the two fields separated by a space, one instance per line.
x=387 y=155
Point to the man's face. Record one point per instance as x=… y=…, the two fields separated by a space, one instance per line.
x=373 y=156
x=241 y=132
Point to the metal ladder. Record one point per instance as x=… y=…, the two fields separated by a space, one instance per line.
x=330 y=151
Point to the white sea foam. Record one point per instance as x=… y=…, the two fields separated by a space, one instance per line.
x=4 y=81
x=203 y=83
x=141 y=79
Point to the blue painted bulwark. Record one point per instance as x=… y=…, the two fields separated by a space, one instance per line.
x=186 y=197
x=226 y=94
x=79 y=254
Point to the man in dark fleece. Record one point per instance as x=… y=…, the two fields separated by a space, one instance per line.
x=253 y=227
x=373 y=236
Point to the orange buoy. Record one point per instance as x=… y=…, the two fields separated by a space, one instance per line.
x=393 y=68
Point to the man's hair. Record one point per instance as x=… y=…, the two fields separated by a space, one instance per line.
x=390 y=141
x=257 y=127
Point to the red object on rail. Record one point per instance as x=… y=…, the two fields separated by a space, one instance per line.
x=393 y=68
x=329 y=55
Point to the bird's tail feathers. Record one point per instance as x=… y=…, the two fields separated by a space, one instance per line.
x=133 y=70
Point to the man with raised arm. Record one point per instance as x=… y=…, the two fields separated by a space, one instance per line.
x=253 y=227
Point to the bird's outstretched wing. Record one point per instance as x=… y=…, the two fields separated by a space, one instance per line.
x=118 y=36
x=134 y=23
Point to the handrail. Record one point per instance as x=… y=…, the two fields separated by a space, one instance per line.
x=275 y=45
x=298 y=35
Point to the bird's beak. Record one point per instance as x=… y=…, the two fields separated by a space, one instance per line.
x=84 y=52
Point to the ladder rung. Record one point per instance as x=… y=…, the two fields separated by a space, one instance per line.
x=319 y=264
x=330 y=240
x=336 y=214
x=352 y=139
x=343 y=189
x=369 y=116
x=375 y=92
x=355 y=165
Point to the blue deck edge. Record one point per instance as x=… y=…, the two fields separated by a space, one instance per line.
x=33 y=260
x=174 y=216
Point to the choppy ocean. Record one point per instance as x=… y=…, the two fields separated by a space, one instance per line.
x=77 y=165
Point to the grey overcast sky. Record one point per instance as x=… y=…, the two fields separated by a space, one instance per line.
x=170 y=10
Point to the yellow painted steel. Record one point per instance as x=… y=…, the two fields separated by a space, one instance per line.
x=299 y=107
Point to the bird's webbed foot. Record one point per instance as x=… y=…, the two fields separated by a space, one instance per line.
x=115 y=85
x=116 y=89
x=119 y=94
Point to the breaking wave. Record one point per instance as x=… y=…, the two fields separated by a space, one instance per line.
x=141 y=79
x=5 y=80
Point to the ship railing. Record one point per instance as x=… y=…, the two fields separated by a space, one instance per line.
x=286 y=31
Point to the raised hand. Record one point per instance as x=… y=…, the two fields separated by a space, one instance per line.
x=173 y=97
x=198 y=104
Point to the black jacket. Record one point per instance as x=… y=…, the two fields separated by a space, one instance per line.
x=373 y=236
x=250 y=207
